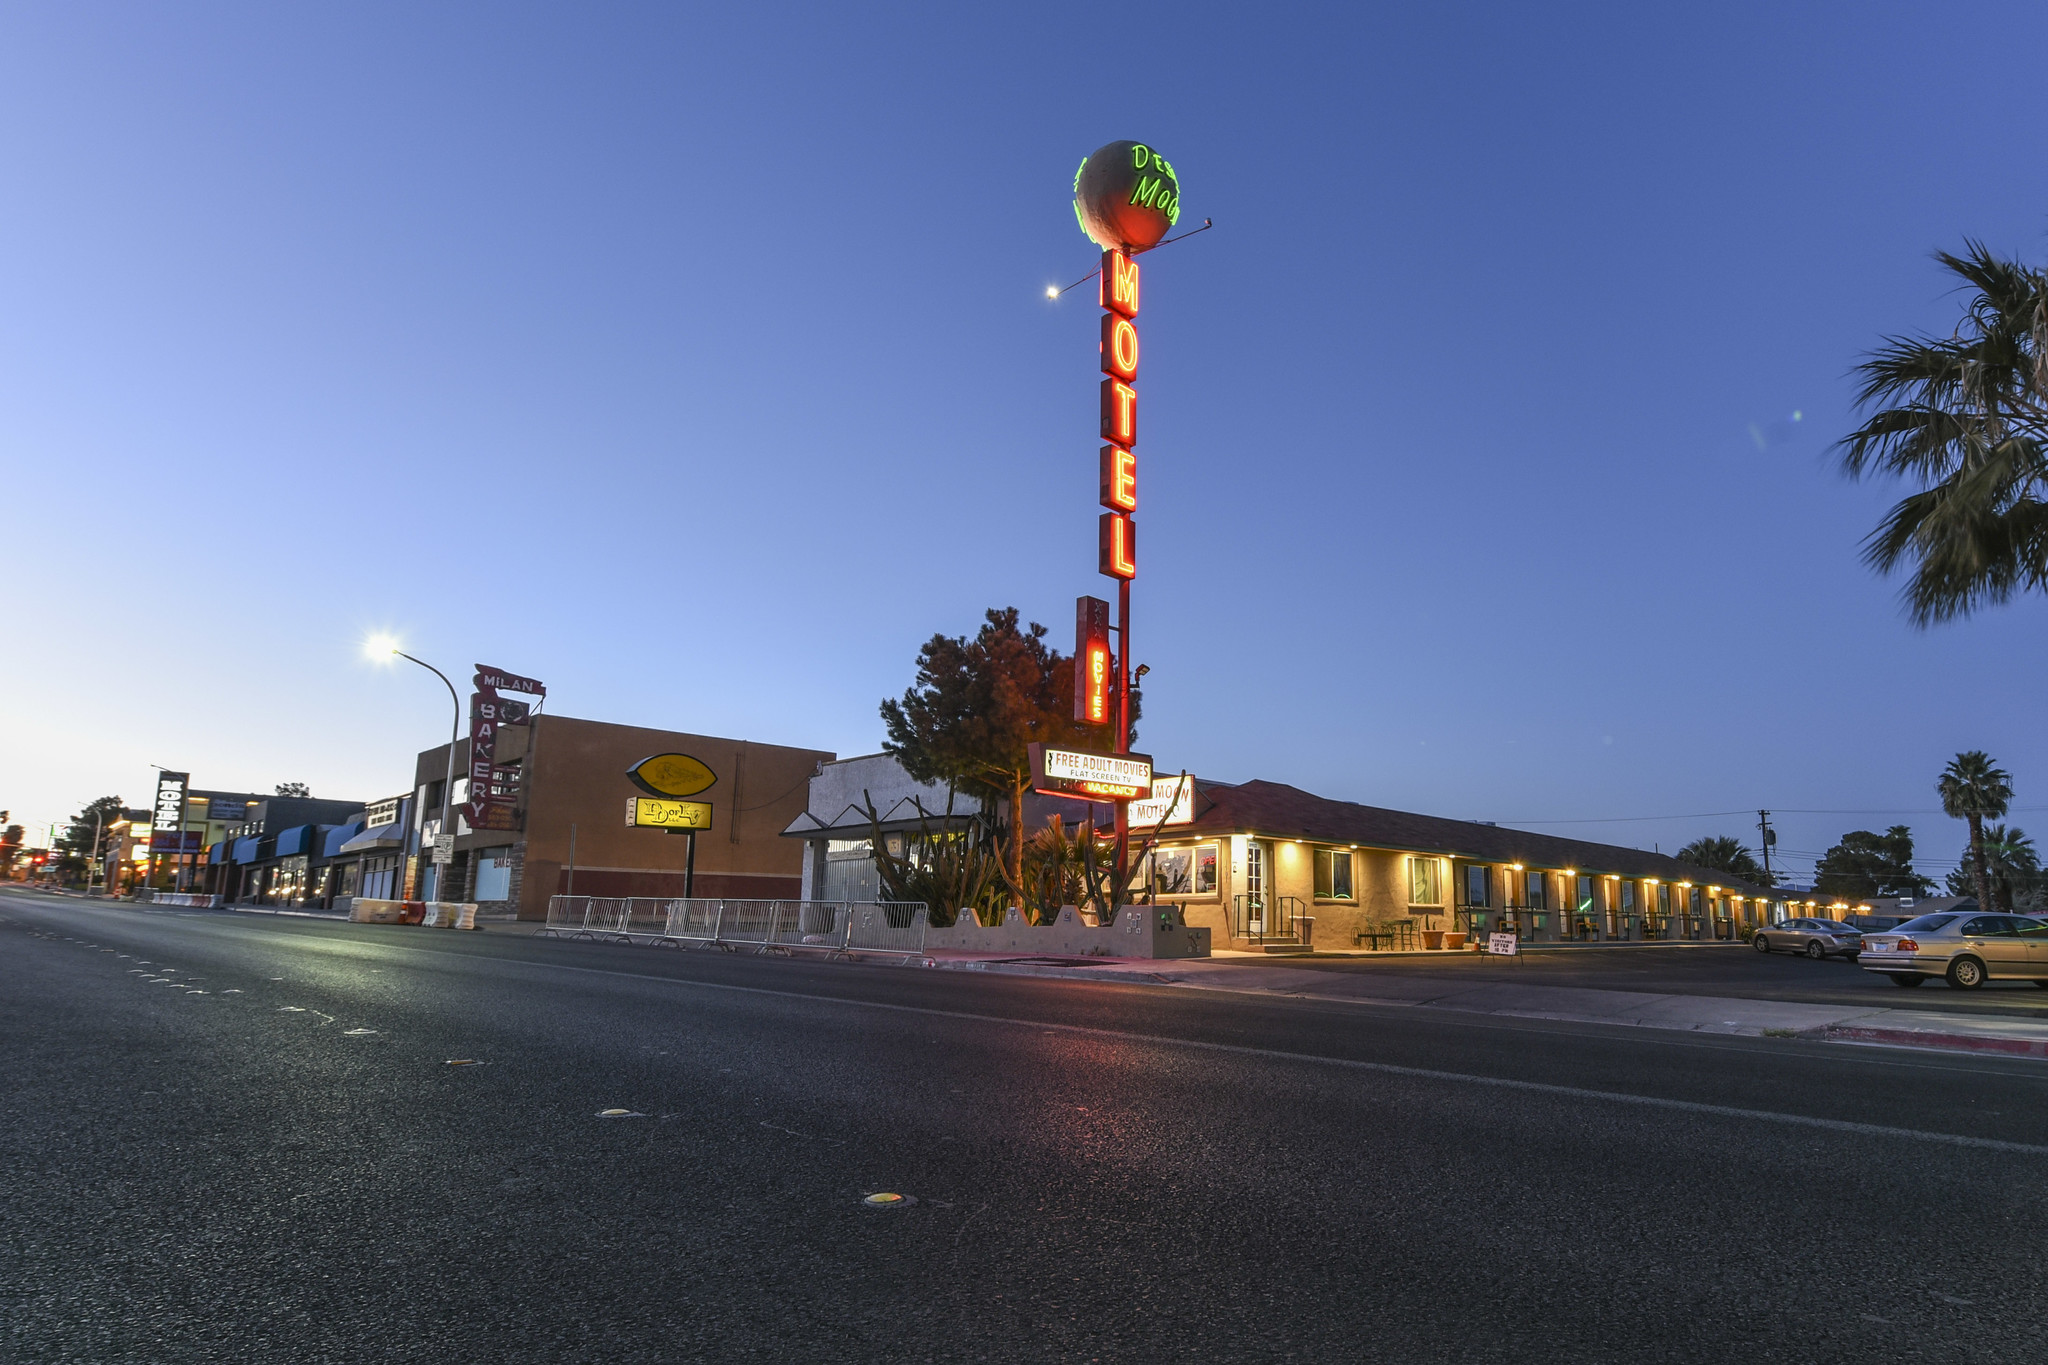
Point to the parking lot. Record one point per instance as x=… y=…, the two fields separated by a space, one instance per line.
x=1686 y=969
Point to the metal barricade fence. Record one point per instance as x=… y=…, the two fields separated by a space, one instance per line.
x=694 y=920
x=818 y=926
x=834 y=927
x=606 y=917
x=565 y=915
x=647 y=915
x=745 y=923
x=886 y=927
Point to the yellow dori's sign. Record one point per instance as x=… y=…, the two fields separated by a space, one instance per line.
x=658 y=813
x=671 y=775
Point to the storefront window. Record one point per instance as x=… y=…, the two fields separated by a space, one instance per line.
x=1333 y=874
x=1425 y=882
x=1205 y=870
x=493 y=874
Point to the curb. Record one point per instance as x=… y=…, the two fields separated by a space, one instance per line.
x=1949 y=1042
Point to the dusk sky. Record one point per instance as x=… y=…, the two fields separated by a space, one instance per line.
x=697 y=361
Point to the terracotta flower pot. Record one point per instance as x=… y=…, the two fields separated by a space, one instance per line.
x=1454 y=941
x=1432 y=939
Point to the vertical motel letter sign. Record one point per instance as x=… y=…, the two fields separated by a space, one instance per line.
x=1117 y=537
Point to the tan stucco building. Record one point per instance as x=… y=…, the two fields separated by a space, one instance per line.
x=1266 y=865
x=573 y=793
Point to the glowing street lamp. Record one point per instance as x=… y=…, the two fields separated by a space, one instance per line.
x=382 y=649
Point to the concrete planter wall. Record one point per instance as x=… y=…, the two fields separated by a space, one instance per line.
x=1155 y=931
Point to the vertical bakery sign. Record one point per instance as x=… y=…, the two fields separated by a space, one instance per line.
x=493 y=786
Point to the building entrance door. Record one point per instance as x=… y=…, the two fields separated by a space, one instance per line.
x=1258 y=897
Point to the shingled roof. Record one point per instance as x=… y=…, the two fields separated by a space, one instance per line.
x=1277 y=810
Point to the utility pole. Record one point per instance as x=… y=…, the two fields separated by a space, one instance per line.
x=1770 y=837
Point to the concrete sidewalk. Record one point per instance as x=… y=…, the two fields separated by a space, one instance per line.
x=2012 y=1037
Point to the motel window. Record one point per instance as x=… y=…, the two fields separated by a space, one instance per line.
x=1628 y=898
x=1694 y=899
x=1173 y=871
x=1425 y=882
x=1333 y=874
x=1534 y=881
x=1476 y=880
x=1663 y=899
x=1585 y=896
x=1205 y=870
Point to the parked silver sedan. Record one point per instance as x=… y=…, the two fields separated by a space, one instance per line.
x=1817 y=938
x=1967 y=948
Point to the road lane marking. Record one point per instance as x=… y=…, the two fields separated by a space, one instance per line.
x=1377 y=1068
x=1275 y=1054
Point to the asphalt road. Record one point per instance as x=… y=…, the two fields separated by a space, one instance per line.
x=1678 y=969
x=208 y=1158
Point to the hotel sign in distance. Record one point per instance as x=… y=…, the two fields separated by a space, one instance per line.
x=667 y=779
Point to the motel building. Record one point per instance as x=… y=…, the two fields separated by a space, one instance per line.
x=1269 y=867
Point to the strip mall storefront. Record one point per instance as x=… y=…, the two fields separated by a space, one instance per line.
x=1265 y=865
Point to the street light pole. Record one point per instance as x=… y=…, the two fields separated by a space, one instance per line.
x=448 y=780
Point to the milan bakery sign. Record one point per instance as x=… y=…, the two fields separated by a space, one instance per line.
x=494 y=787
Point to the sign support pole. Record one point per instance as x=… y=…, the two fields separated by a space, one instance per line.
x=1123 y=735
x=689 y=865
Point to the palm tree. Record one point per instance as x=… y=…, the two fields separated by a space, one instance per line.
x=1966 y=416
x=1975 y=789
x=1724 y=853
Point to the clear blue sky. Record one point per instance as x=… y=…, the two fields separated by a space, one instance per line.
x=696 y=360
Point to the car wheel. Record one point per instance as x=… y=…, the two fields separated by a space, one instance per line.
x=1915 y=979
x=1815 y=951
x=1966 y=973
x=1762 y=944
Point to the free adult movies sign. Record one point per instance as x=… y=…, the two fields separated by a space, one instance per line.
x=1099 y=777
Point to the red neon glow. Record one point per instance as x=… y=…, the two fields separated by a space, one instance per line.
x=1119 y=412
x=1118 y=291
x=1119 y=479
x=1119 y=347
x=1117 y=546
x=1109 y=789
x=1095 y=685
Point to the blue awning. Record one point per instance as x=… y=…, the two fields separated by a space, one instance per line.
x=217 y=853
x=339 y=835
x=293 y=840
x=245 y=850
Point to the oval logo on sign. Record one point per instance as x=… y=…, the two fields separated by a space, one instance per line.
x=671 y=775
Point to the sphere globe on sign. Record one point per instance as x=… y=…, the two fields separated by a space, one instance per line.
x=1126 y=196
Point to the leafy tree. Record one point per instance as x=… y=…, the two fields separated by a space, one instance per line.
x=1975 y=789
x=1722 y=853
x=76 y=844
x=1869 y=864
x=976 y=707
x=2012 y=869
x=292 y=789
x=10 y=846
x=1966 y=417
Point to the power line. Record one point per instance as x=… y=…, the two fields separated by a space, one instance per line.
x=1722 y=814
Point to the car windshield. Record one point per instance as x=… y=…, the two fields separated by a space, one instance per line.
x=1927 y=924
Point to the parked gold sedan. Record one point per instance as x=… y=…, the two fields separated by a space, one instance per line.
x=1817 y=938
x=1966 y=948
